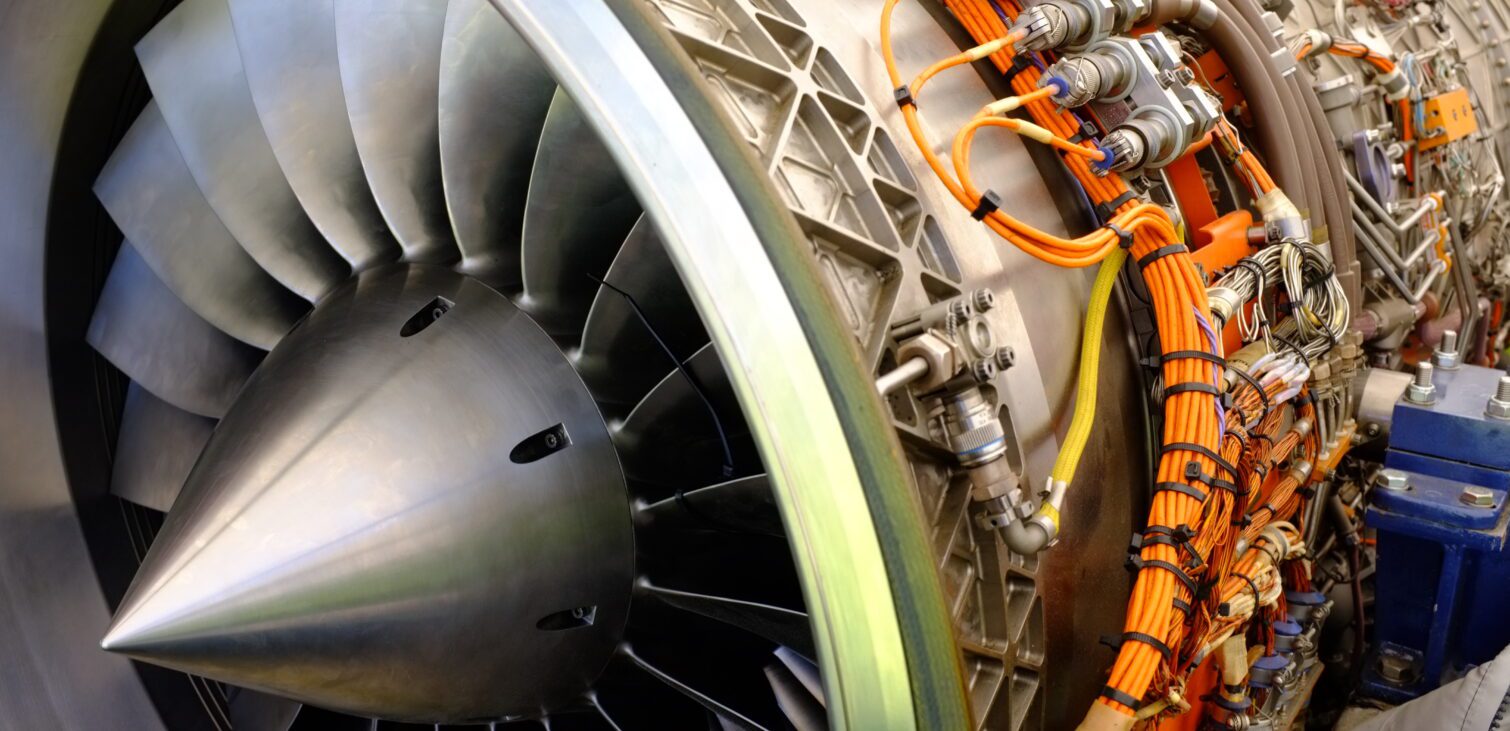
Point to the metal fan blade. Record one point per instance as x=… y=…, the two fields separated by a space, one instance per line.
x=144 y=330
x=153 y=199
x=390 y=70
x=157 y=446
x=778 y=624
x=674 y=435
x=249 y=709
x=578 y=212
x=706 y=701
x=620 y=359
x=805 y=671
x=744 y=504
x=804 y=711
x=288 y=48
x=194 y=69
x=494 y=94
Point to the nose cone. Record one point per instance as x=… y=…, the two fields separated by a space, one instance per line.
x=412 y=511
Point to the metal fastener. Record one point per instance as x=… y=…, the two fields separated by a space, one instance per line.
x=1446 y=355
x=1005 y=357
x=1478 y=497
x=1392 y=480
x=1397 y=669
x=1421 y=390
x=984 y=299
x=1499 y=403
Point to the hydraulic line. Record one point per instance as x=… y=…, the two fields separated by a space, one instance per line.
x=1090 y=360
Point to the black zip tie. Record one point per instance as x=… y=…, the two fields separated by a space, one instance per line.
x=1113 y=694
x=1124 y=237
x=1116 y=641
x=1251 y=585
x=1020 y=63
x=1160 y=253
x=1190 y=387
x=1303 y=400
x=1179 y=487
x=1181 y=606
x=1108 y=209
x=989 y=202
x=1204 y=452
x=1253 y=382
x=1194 y=354
x=718 y=424
x=904 y=97
x=1140 y=564
x=1179 y=537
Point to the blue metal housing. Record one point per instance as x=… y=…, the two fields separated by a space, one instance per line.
x=1443 y=575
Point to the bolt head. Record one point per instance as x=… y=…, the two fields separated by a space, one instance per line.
x=1396 y=669
x=1389 y=479
x=984 y=300
x=1478 y=497
x=1498 y=409
x=1418 y=394
x=1005 y=357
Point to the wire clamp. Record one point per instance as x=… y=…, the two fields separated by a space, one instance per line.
x=989 y=203
x=904 y=97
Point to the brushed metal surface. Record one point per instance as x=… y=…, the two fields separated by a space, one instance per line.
x=578 y=212
x=619 y=358
x=494 y=94
x=288 y=48
x=157 y=447
x=51 y=602
x=193 y=66
x=357 y=535
x=144 y=330
x=389 y=53
x=152 y=197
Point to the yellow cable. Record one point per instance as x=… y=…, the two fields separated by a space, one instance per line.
x=1090 y=366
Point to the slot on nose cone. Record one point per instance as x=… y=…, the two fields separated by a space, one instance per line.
x=356 y=536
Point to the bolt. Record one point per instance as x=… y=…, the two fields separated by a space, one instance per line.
x=962 y=309
x=1388 y=479
x=984 y=300
x=1499 y=403
x=1396 y=669
x=1421 y=390
x=1006 y=358
x=1446 y=355
x=1478 y=497
x=983 y=370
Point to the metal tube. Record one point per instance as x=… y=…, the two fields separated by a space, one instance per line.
x=907 y=372
x=1372 y=248
x=1437 y=267
x=1430 y=241
x=1367 y=227
x=1361 y=193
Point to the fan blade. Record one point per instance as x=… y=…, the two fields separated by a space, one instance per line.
x=744 y=504
x=249 y=709
x=494 y=94
x=675 y=436
x=141 y=328
x=804 y=671
x=578 y=211
x=706 y=701
x=620 y=359
x=804 y=711
x=194 y=69
x=289 y=50
x=390 y=69
x=157 y=446
x=778 y=624
x=153 y=199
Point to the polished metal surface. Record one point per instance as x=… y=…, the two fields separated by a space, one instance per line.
x=51 y=602
x=148 y=333
x=578 y=212
x=661 y=436
x=494 y=94
x=153 y=198
x=367 y=504
x=784 y=626
x=743 y=504
x=389 y=54
x=156 y=449
x=815 y=453
x=288 y=48
x=620 y=358
x=193 y=66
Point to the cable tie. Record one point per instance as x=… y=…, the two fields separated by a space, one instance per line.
x=1182 y=606
x=1204 y=452
x=1251 y=381
x=1113 y=694
x=1160 y=253
x=1192 y=354
x=1190 y=387
x=989 y=202
x=1106 y=210
x=1124 y=237
x=1139 y=563
x=904 y=97
x=1179 y=487
x=1251 y=585
x=1020 y=63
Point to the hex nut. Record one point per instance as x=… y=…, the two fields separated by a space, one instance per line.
x=1478 y=497
x=1498 y=409
x=1392 y=480
x=940 y=356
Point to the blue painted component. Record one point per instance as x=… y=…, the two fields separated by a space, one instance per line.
x=1455 y=428
x=1287 y=628
x=1443 y=572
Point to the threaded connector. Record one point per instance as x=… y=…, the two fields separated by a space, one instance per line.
x=1499 y=403
x=1446 y=355
x=1421 y=389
